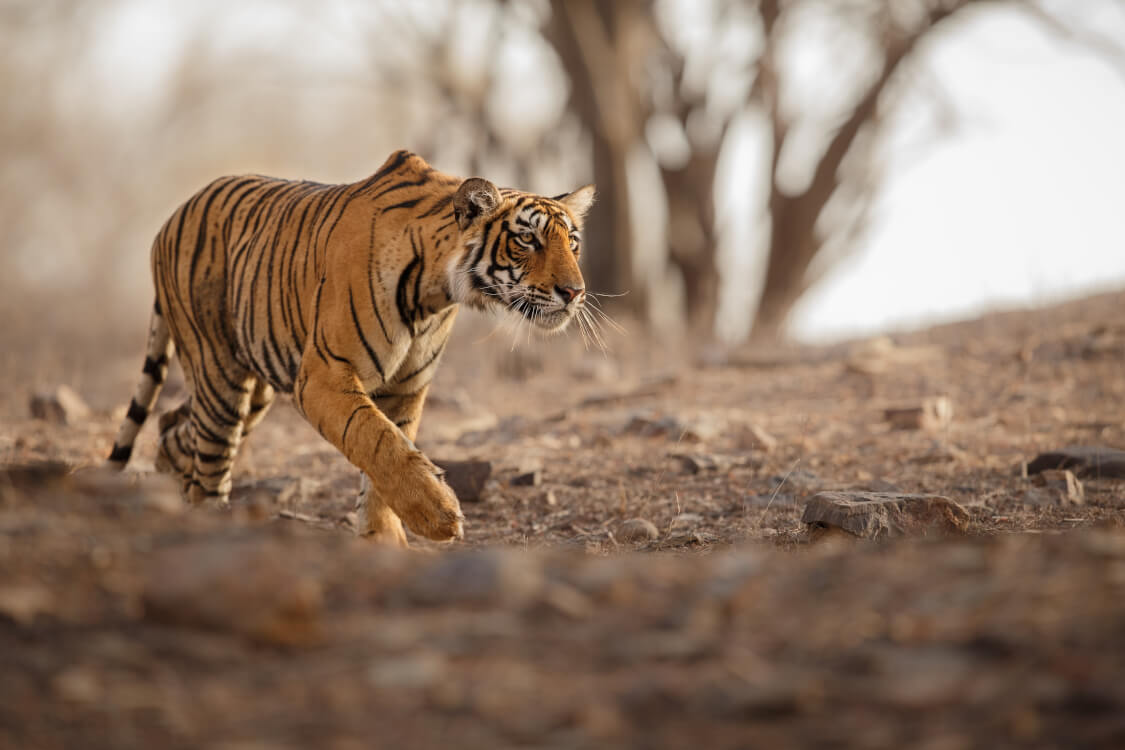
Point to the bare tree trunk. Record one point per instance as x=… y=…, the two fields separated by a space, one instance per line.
x=794 y=241
x=692 y=241
x=587 y=34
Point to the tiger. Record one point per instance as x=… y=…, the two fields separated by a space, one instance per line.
x=343 y=297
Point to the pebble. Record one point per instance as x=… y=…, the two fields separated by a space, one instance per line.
x=638 y=530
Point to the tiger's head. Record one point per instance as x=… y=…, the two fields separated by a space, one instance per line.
x=520 y=252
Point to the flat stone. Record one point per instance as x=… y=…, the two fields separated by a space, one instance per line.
x=1086 y=461
x=467 y=478
x=61 y=406
x=877 y=515
x=638 y=530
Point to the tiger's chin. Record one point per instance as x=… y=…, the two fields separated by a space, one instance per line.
x=554 y=322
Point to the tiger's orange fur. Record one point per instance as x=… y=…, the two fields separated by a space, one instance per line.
x=343 y=296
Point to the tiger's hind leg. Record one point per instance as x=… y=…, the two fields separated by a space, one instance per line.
x=176 y=447
x=176 y=453
x=260 y=401
x=220 y=404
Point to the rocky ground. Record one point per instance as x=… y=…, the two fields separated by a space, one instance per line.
x=890 y=543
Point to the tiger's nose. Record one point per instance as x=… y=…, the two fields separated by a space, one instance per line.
x=569 y=293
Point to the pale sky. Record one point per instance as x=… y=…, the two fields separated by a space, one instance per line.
x=1023 y=204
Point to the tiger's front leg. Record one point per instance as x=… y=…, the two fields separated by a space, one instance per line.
x=375 y=519
x=403 y=481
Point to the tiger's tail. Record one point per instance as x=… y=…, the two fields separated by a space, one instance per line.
x=157 y=356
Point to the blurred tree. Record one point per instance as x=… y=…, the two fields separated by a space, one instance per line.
x=797 y=232
x=628 y=73
x=634 y=77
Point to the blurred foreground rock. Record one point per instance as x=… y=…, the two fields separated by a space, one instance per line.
x=124 y=626
x=249 y=587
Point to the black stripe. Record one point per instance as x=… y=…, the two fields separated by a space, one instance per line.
x=432 y=358
x=348 y=424
x=155 y=368
x=438 y=207
x=137 y=413
x=401 y=293
x=121 y=453
x=403 y=204
x=363 y=339
x=400 y=185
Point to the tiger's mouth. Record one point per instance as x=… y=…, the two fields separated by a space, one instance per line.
x=551 y=318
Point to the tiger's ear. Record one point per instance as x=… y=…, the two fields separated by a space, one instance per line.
x=476 y=198
x=579 y=201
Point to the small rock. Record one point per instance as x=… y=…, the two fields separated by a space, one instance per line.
x=932 y=414
x=698 y=463
x=940 y=453
x=754 y=437
x=646 y=426
x=61 y=406
x=527 y=479
x=799 y=479
x=687 y=519
x=467 y=478
x=1064 y=481
x=665 y=427
x=876 y=515
x=638 y=530
x=549 y=498
x=1087 y=461
x=1055 y=487
x=281 y=492
x=689 y=537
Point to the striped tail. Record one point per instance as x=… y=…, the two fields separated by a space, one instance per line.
x=158 y=354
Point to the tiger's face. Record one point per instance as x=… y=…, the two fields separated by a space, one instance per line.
x=521 y=252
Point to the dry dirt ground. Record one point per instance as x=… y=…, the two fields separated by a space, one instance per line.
x=127 y=620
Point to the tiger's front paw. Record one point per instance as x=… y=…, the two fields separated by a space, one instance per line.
x=426 y=504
